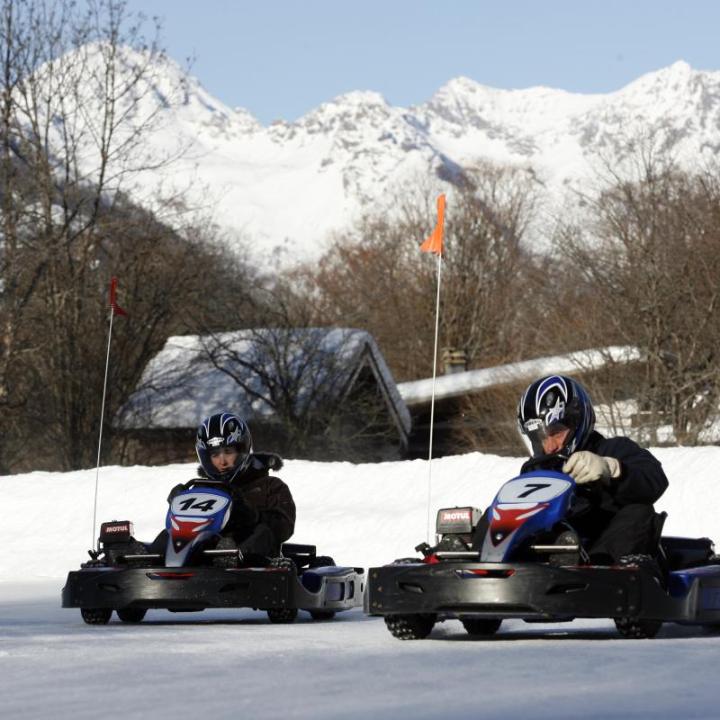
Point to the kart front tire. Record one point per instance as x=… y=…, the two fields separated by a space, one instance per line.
x=480 y=626
x=132 y=615
x=637 y=629
x=410 y=627
x=96 y=616
x=282 y=616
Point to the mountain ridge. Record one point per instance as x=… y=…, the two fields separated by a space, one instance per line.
x=285 y=188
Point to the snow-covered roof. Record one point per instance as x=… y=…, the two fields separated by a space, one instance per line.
x=419 y=392
x=181 y=384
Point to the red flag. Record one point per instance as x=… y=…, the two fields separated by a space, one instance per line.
x=434 y=242
x=117 y=310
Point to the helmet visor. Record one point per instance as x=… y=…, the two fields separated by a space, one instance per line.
x=544 y=439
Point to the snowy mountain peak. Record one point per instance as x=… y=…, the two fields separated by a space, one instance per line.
x=463 y=105
x=247 y=121
x=359 y=98
x=346 y=113
x=294 y=183
x=676 y=78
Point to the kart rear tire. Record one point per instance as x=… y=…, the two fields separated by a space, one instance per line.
x=283 y=563
x=320 y=615
x=410 y=627
x=637 y=629
x=481 y=627
x=96 y=616
x=282 y=616
x=131 y=615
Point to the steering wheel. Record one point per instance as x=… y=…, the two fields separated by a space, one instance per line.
x=546 y=462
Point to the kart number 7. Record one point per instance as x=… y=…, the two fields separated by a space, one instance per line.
x=537 y=489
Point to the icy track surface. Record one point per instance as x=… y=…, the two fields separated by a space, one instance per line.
x=234 y=664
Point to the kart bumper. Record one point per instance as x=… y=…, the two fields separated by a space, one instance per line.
x=536 y=591
x=185 y=589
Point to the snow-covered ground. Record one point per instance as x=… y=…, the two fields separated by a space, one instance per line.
x=233 y=663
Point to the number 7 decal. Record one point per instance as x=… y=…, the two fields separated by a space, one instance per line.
x=533 y=487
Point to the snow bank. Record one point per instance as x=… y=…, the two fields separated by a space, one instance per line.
x=360 y=514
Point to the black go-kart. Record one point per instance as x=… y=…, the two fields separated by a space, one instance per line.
x=533 y=567
x=199 y=569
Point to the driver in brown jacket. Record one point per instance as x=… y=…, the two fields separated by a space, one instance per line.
x=263 y=511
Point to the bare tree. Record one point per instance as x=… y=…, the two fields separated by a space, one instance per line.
x=375 y=277
x=651 y=277
x=487 y=263
x=81 y=90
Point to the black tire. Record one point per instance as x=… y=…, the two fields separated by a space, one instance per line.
x=632 y=627
x=567 y=537
x=481 y=626
x=410 y=627
x=283 y=563
x=637 y=629
x=226 y=561
x=96 y=616
x=282 y=616
x=322 y=614
x=647 y=564
x=131 y=615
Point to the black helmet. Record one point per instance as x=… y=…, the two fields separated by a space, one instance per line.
x=555 y=400
x=223 y=430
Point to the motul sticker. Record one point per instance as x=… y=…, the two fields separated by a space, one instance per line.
x=119 y=529
x=108 y=529
x=456 y=515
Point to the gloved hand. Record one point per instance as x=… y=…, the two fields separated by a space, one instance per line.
x=260 y=542
x=585 y=467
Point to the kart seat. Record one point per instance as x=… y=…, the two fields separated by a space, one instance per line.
x=681 y=553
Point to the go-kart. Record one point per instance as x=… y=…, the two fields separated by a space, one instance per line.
x=533 y=566
x=199 y=568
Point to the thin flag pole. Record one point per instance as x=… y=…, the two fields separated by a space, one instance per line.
x=432 y=398
x=115 y=309
x=434 y=244
x=102 y=417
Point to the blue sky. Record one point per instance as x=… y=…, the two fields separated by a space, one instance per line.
x=281 y=58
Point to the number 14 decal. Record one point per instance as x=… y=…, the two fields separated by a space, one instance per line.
x=204 y=506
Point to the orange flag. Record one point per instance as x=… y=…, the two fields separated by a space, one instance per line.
x=434 y=243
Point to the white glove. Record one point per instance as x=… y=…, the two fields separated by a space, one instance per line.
x=585 y=467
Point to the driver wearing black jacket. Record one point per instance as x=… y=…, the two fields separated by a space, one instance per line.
x=617 y=480
x=263 y=511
